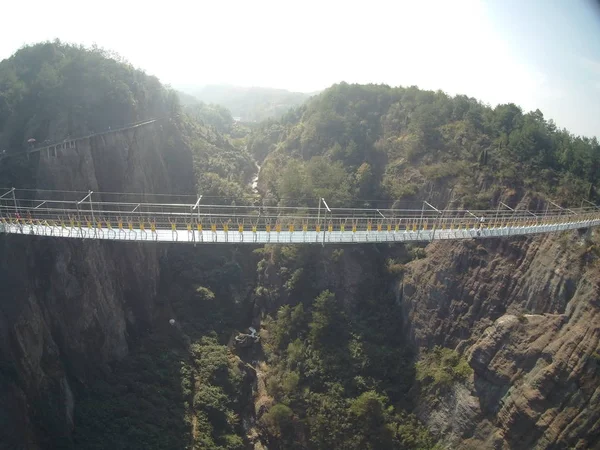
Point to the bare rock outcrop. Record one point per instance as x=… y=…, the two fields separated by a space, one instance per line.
x=68 y=308
x=526 y=315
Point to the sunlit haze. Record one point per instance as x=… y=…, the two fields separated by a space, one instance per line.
x=538 y=54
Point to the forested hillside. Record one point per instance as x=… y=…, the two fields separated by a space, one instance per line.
x=101 y=371
x=345 y=364
x=447 y=345
x=376 y=142
x=50 y=91
x=250 y=104
x=207 y=114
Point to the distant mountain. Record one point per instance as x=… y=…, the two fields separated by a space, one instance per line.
x=250 y=103
x=207 y=114
x=187 y=99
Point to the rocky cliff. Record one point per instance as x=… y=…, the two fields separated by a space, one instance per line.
x=69 y=308
x=525 y=313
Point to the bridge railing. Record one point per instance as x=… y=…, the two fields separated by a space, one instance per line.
x=70 y=142
x=108 y=210
x=55 y=213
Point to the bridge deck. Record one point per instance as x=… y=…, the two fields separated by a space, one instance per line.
x=131 y=217
x=193 y=236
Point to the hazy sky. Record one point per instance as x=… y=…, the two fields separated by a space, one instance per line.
x=537 y=53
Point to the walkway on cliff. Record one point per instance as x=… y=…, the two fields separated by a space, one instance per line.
x=186 y=219
x=53 y=149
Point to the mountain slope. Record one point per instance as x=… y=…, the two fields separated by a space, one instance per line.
x=524 y=312
x=53 y=90
x=502 y=331
x=404 y=144
x=72 y=311
x=487 y=344
x=250 y=104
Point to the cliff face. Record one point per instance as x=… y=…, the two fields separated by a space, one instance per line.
x=151 y=158
x=525 y=313
x=69 y=307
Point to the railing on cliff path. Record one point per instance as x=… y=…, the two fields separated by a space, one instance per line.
x=186 y=219
x=53 y=149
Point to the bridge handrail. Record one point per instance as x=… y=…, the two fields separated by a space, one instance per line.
x=77 y=138
x=46 y=207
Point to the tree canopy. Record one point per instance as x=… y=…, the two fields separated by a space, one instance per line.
x=52 y=90
x=392 y=142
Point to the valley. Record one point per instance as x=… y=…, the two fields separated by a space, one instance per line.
x=472 y=344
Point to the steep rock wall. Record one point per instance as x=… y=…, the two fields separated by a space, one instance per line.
x=525 y=313
x=70 y=307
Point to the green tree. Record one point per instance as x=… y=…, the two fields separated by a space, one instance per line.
x=278 y=421
x=328 y=180
x=328 y=325
x=440 y=367
x=365 y=181
x=369 y=413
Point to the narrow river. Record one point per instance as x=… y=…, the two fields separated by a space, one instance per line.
x=255 y=179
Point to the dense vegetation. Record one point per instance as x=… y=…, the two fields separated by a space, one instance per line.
x=333 y=368
x=393 y=144
x=182 y=386
x=52 y=90
x=223 y=167
x=339 y=373
x=250 y=104
x=212 y=114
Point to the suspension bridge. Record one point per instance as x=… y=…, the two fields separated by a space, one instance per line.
x=187 y=219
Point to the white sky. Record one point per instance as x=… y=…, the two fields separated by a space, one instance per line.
x=456 y=46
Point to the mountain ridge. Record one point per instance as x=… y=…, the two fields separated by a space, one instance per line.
x=249 y=104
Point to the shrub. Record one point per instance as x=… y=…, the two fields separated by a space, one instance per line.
x=441 y=367
x=204 y=293
x=278 y=421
